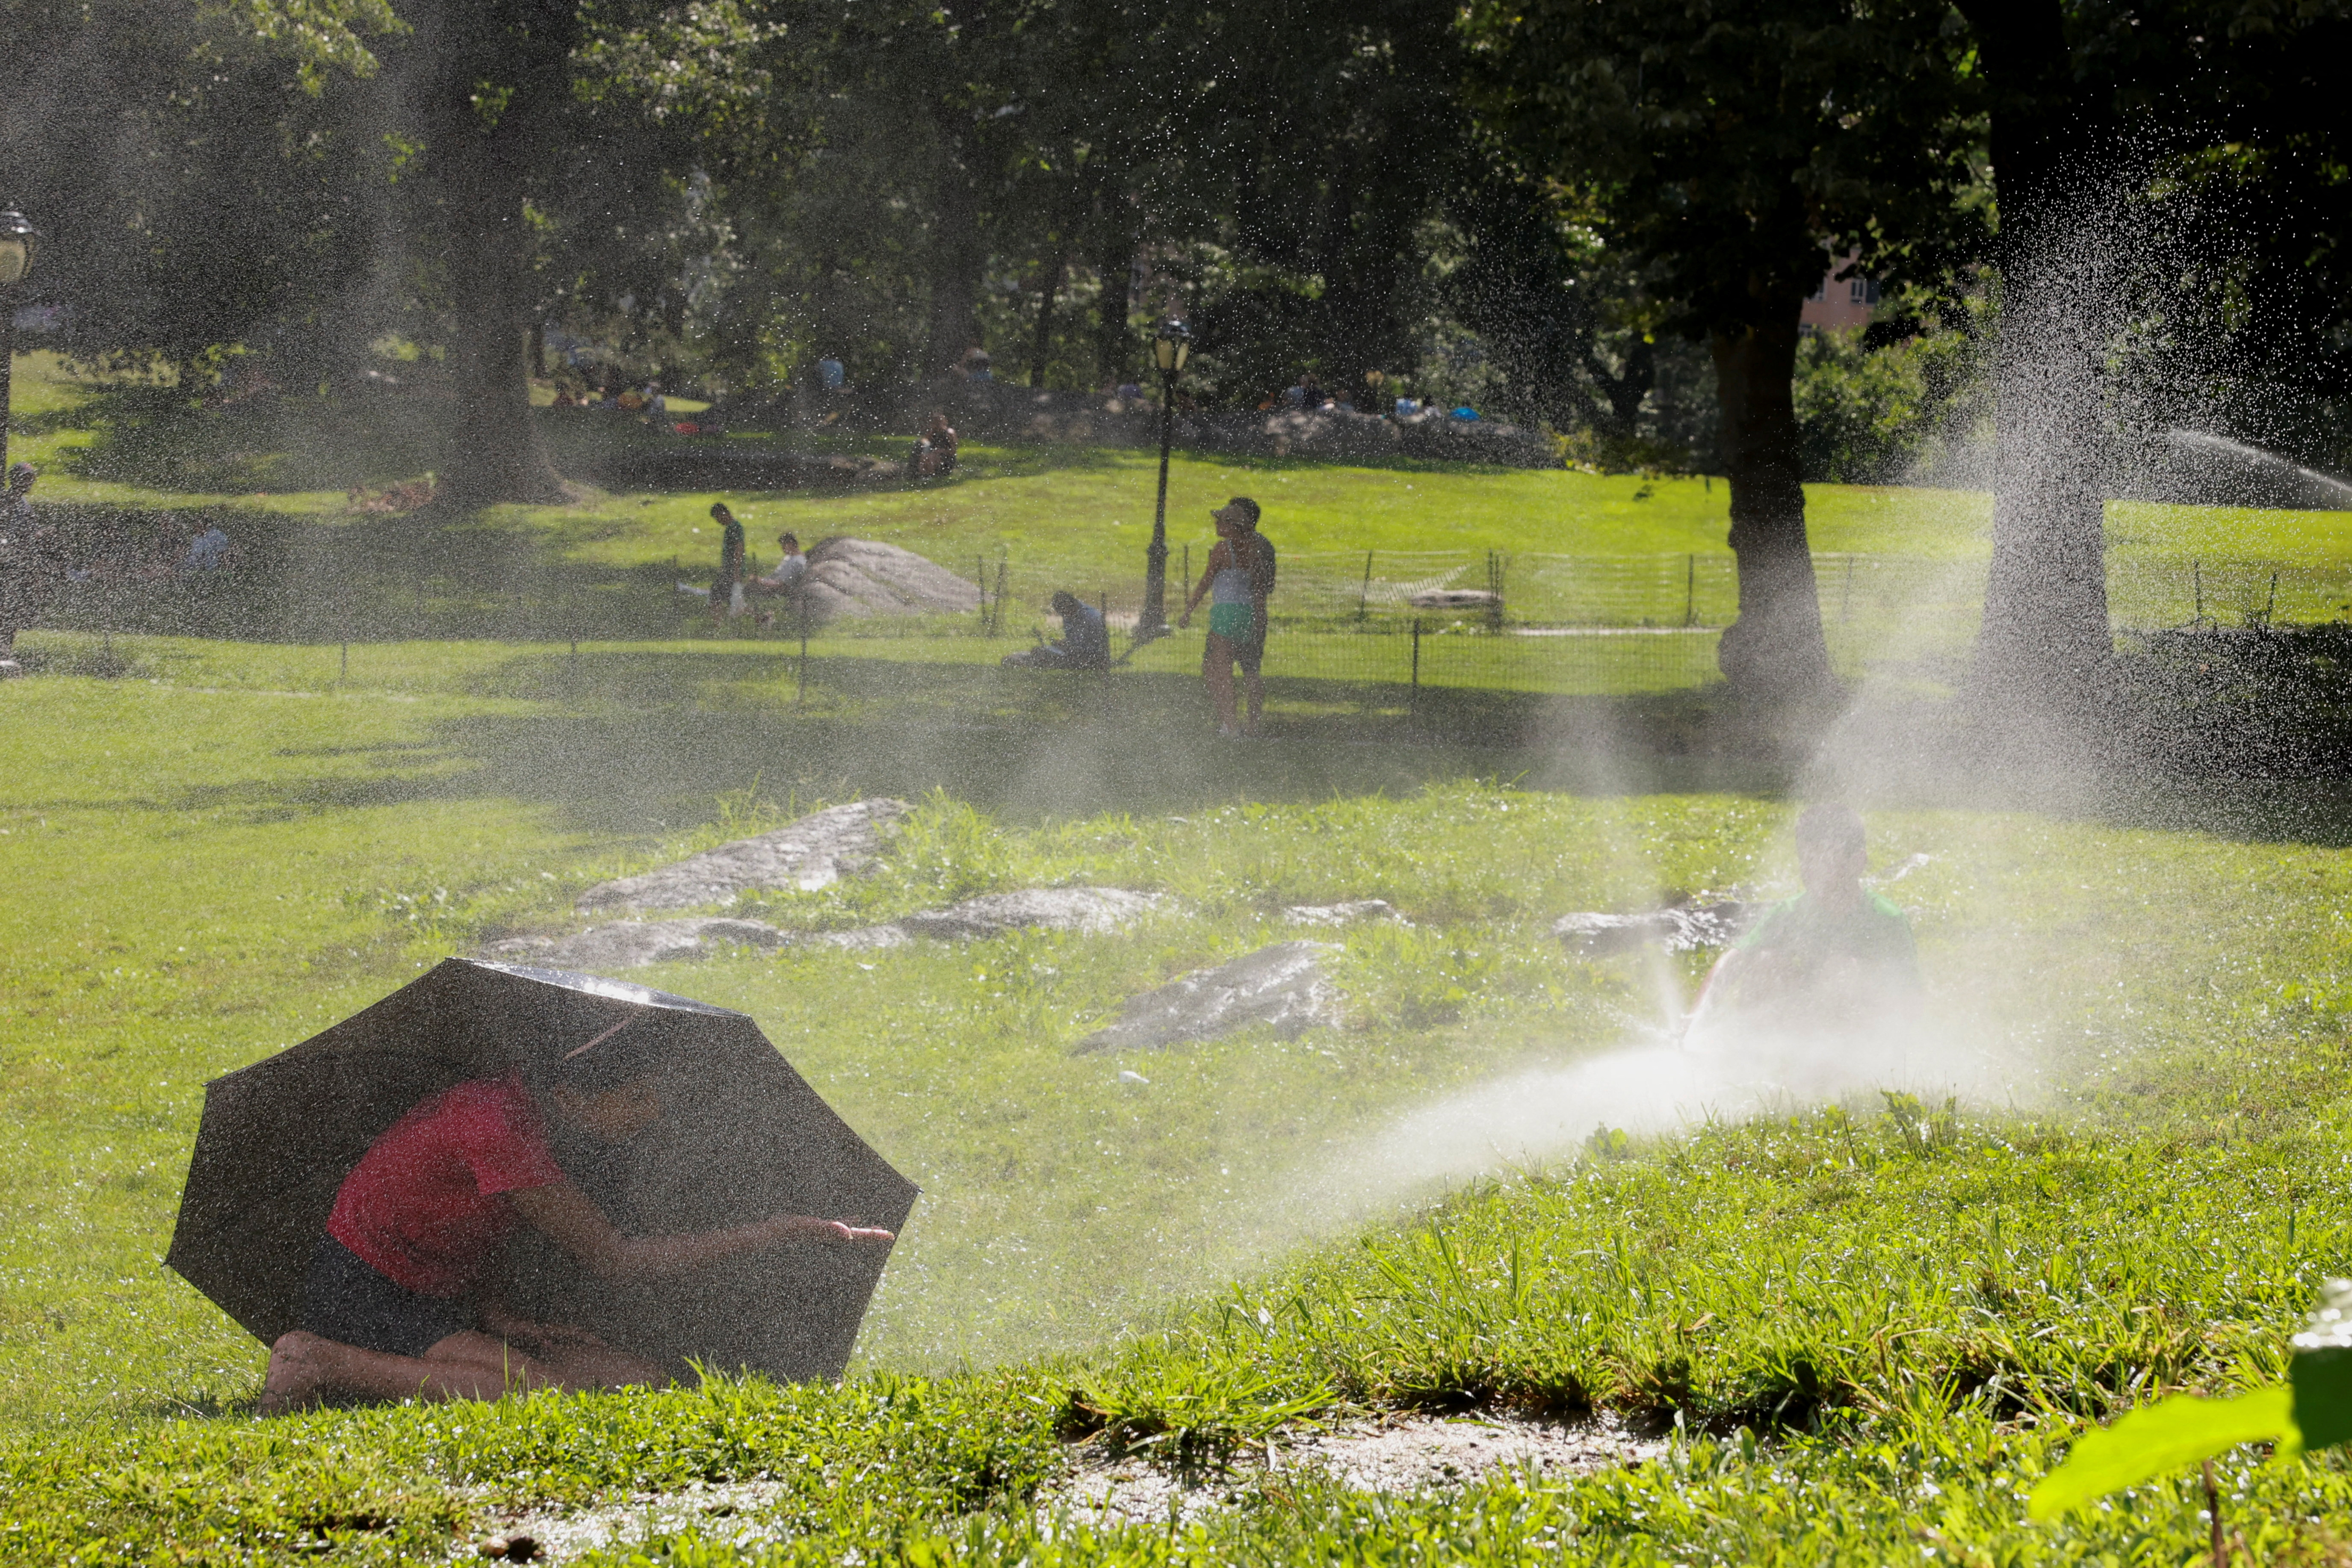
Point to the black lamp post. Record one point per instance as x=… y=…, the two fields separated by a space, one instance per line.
x=1171 y=344
x=15 y=260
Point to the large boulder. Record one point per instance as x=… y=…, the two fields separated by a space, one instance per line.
x=1281 y=987
x=814 y=852
x=858 y=577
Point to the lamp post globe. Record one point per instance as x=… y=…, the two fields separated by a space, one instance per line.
x=1172 y=345
x=17 y=239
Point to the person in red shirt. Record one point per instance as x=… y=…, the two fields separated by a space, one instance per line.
x=397 y=1304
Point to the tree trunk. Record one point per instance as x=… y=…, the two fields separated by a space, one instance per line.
x=2045 y=626
x=1044 y=348
x=1112 y=344
x=495 y=450
x=956 y=261
x=1773 y=651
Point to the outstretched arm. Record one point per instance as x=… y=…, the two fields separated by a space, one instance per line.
x=569 y=1216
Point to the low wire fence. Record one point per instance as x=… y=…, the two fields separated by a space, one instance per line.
x=1553 y=624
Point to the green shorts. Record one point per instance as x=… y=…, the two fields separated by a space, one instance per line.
x=1234 y=623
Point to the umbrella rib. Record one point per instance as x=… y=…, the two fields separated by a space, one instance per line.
x=600 y=1039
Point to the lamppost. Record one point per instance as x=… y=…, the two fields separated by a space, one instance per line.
x=15 y=260
x=1171 y=344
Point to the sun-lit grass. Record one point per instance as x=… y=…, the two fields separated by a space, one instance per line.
x=1083 y=514
x=1874 y=1324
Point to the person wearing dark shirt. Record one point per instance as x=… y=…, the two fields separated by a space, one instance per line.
x=399 y=1301
x=1834 y=956
x=727 y=588
x=1085 y=639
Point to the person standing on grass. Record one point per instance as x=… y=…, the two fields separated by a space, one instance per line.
x=1238 y=581
x=727 y=588
x=398 y=1304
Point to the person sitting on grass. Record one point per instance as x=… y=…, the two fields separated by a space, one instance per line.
x=785 y=582
x=398 y=1305
x=1085 y=639
x=935 y=449
x=1837 y=955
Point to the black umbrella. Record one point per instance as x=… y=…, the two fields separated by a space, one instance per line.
x=741 y=1137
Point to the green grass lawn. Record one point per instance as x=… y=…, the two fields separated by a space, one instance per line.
x=211 y=862
x=1081 y=514
x=1865 y=1325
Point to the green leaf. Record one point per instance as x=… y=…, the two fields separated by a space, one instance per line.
x=2161 y=1437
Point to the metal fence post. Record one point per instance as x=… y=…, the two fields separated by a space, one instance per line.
x=1690 y=591
x=1414 y=702
x=1364 y=598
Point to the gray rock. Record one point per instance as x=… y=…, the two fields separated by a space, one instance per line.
x=817 y=850
x=1282 y=986
x=629 y=944
x=1097 y=909
x=858 y=577
x=1342 y=914
x=1682 y=929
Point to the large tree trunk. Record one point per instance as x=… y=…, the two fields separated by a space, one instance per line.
x=2045 y=619
x=1114 y=345
x=1773 y=651
x=496 y=453
x=1044 y=346
x=957 y=258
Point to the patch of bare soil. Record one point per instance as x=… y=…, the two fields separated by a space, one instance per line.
x=1398 y=1454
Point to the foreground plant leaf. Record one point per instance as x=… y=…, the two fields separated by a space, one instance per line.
x=2159 y=1438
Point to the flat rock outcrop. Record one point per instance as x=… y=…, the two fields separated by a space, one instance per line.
x=630 y=944
x=1097 y=909
x=1282 y=986
x=1347 y=913
x=814 y=852
x=1681 y=929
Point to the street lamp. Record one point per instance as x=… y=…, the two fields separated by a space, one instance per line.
x=1171 y=344
x=17 y=239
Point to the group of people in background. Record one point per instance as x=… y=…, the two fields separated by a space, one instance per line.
x=735 y=588
x=1238 y=582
